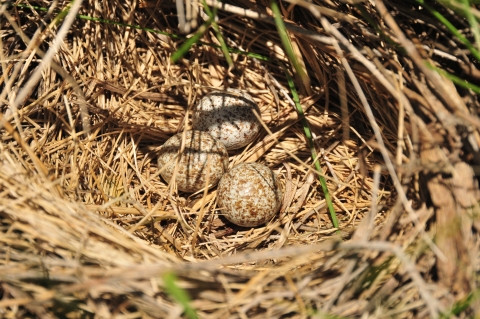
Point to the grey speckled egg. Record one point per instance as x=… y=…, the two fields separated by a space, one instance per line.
x=228 y=117
x=249 y=194
x=192 y=167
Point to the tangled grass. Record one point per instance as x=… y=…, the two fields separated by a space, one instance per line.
x=89 y=92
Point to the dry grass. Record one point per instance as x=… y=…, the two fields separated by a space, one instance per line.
x=88 y=228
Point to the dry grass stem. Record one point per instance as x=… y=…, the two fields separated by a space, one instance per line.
x=88 y=228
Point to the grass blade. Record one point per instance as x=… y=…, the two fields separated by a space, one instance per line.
x=178 y=294
x=311 y=144
x=223 y=45
x=455 y=79
x=282 y=31
x=191 y=41
x=452 y=29
x=473 y=22
x=289 y=50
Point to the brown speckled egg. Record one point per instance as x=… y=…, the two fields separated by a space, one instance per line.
x=249 y=194
x=228 y=117
x=192 y=166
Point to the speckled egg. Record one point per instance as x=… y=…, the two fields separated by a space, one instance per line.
x=192 y=166
x=249 y=194
x=228 y=117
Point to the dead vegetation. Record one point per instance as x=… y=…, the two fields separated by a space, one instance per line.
x=89 y=229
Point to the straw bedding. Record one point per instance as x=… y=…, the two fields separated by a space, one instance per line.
x=90 y=230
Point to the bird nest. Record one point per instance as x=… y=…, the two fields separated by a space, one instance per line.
x=89 y=92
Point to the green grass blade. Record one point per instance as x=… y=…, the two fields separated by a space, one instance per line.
x=473 y=22
x=462 y=305
x=220 y=38
x=452 y=29
x=191 y=41
x=178 y=294
x=289 y=50
x=455 y=79
x=282 y=32
x=62 y=14
x=311 y=144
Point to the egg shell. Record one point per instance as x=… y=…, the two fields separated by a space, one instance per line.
x=228 y=117
x=192 y=166
x=249 y=194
